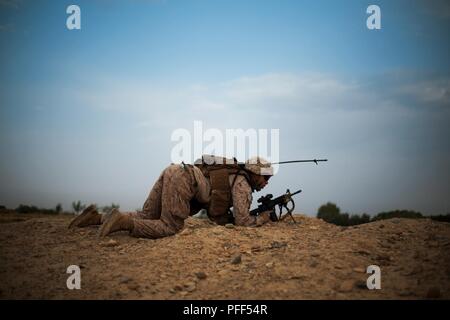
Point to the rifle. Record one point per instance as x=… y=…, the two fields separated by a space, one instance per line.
x=316 y=161
x=267 y=203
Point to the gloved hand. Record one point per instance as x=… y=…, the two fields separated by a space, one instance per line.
x=265 y=217
x=273 y=215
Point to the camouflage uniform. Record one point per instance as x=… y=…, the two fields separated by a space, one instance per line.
x=168 y=203
x=241 y=193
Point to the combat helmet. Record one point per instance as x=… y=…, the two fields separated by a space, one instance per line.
x=259 y=166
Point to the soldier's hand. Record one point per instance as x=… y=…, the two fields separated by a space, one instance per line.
x=273 y=215
x=262 y=218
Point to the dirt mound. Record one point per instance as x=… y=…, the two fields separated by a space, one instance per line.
x=307 y=260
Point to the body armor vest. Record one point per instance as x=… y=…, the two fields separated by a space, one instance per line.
x=218 y=171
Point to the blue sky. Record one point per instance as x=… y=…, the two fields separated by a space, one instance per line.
x=88 y=114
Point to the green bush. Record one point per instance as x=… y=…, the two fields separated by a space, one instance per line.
x=397 y=214
x=33 y=209
x=77 y=206
x=58 y=208
x=22 y=208
x=442 y=217
x=356 y=219
x=331 y=213
x=107 y=209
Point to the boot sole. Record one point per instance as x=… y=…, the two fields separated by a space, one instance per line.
x=81 y=218
x=108 y=223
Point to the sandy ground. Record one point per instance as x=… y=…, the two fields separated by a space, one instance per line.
x=307 y=260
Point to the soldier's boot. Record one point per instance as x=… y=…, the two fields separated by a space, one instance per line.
x=88 y=217
x=115 y=221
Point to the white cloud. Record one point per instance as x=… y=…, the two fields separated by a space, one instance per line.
x=436 y=91
x=258 y=92
x=266 y=100
x=283 y=86
x=376 y=140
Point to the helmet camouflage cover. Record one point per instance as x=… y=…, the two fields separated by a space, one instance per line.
x=259 y=166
